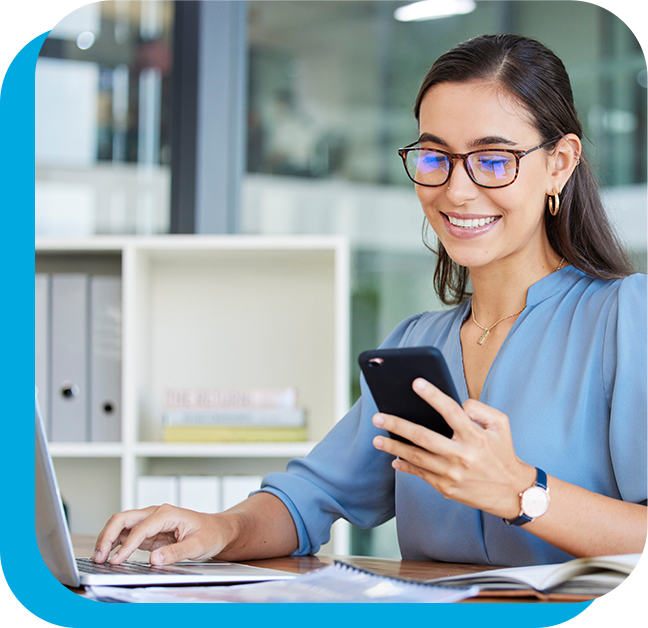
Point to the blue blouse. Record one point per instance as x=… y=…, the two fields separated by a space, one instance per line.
x=571 y=376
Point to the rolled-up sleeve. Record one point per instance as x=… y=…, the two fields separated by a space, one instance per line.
x=344 y=476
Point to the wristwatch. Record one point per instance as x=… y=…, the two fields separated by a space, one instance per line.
x=534 y=502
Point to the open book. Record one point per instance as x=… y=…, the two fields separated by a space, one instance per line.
x=584 y=578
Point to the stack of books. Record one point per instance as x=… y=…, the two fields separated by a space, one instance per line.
x=260 y=415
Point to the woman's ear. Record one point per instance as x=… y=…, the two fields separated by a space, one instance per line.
x=565 y=159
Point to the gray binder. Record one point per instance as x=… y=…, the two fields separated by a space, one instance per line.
x=42 y=344
x=69 y=390
x=105 y=358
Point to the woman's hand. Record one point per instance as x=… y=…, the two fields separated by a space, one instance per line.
x=169 y=533
x=259 y=527
x=477 y=467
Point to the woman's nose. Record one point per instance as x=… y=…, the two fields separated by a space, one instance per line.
x=460 y=187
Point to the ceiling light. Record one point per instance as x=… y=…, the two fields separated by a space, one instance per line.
x=85 y=40
x=433 y=10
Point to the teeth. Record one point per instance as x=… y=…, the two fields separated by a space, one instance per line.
x=471 y=224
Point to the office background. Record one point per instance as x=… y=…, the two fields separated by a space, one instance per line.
x=283 y=117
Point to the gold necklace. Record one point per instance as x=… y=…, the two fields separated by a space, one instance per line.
x=487 y=330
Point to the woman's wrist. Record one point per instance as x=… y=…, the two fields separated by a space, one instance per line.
x=228 y=526
x=523 y=478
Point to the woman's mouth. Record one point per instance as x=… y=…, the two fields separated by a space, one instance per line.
x=471 y=223
x=469 y=226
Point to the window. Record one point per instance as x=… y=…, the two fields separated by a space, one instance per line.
x=103 y=150
x=331 y=90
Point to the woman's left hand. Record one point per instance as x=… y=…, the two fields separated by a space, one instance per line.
x=477 y=466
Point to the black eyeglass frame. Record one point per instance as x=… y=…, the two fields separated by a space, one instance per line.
x=518 y=154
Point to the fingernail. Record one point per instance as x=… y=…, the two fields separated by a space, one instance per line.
x=95 y=556
x=378 y=419
x=378 y=442
x=156 y=558
x=420 y=384
x=114 y=557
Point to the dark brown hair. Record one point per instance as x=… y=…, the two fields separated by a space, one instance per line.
x=536 y=77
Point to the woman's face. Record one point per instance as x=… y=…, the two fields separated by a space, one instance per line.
x=463 y=117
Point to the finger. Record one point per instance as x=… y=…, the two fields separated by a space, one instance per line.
x=414 y=454
x=445 y=405
x=192 y=548
x=406 y=466
x=486 y=416
x=164 y=519
x=113 y=532
x=417 y=434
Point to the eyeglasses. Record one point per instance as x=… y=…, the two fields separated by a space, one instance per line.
x=488 y=168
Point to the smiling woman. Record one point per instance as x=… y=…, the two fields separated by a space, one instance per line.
x=531 y=96
x=552 y=380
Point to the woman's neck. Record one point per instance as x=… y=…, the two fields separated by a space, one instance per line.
x=500 y=289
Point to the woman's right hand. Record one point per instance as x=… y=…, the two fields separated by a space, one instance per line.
x=171 y=534
x=259 y=527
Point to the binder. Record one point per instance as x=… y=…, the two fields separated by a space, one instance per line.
x=105 y=358
x=201 y=493
x=69 y=381
x=42 y=345
x=236 y=488
x=155 y=490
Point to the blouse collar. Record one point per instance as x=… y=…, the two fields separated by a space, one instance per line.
x=552 y=284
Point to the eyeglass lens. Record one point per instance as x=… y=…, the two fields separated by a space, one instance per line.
x=489 y=169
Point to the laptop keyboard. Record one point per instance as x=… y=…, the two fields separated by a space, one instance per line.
x=86 y=565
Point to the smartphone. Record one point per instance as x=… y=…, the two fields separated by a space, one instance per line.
x=390 y=373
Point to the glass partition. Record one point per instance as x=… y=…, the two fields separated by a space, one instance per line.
x=103 y=81
x=331 y=90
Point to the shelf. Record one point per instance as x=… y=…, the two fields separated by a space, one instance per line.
x=222 y=450
x=86 y=450
x=222 y=311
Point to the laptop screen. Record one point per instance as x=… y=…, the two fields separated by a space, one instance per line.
x=52 y=534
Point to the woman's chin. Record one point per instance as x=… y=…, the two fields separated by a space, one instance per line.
x=469 y=259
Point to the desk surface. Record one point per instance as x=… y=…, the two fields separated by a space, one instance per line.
x=415 y=569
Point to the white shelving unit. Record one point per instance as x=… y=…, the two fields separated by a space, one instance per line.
x=209 y=312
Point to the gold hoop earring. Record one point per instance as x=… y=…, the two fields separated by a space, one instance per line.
x=553 y=202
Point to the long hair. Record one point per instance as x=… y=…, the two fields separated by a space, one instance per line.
x=580 y=232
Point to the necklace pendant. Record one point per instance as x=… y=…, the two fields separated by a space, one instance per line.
x=483 y=337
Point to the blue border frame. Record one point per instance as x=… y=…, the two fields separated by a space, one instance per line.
x=35 y=587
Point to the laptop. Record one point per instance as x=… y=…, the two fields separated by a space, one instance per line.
x=55 y=545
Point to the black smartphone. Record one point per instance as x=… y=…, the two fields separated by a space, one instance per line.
x=390 y=373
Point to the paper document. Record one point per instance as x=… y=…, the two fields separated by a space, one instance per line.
x=338 y=583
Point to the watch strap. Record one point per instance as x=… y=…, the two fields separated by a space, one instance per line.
x=541 y=481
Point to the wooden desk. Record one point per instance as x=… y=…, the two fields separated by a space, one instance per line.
x=414 y=569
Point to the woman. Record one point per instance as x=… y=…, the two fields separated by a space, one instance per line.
x=548 y=456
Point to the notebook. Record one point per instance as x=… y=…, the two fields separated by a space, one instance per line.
x=55 y=545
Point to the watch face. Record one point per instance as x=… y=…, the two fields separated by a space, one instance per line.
x=535 y=502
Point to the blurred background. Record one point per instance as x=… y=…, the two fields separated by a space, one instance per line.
x=284 y=117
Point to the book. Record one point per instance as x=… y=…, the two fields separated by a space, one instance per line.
x=232 y=434
x=227 y=399
x=582 y=578
x=283 y=417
